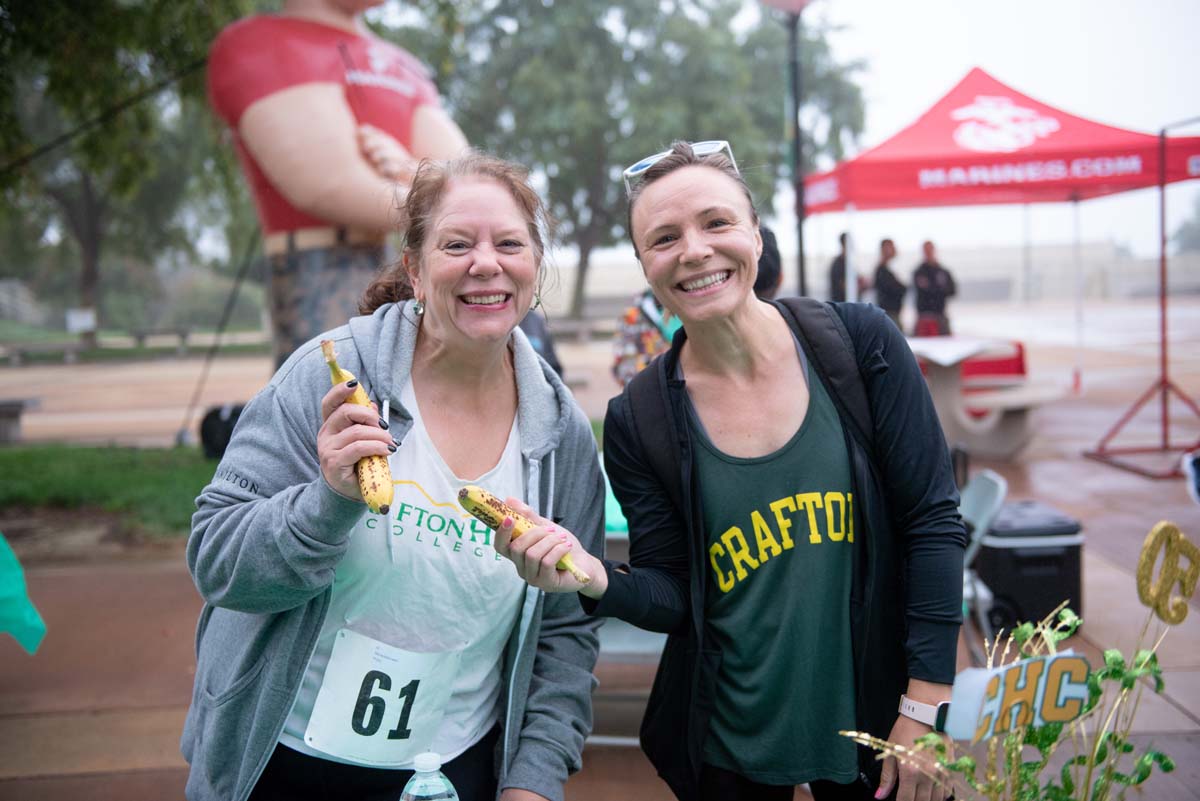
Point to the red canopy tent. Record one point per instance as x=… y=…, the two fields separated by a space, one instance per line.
x=985 y=142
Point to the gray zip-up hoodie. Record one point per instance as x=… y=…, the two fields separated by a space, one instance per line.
x=269 y=533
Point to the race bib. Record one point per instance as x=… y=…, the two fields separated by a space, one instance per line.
x=380 y=705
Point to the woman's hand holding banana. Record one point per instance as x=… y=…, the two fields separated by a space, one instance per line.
x=350 y=432
x=536 y=554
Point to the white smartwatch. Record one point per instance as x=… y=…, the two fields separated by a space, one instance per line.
x=932 y=715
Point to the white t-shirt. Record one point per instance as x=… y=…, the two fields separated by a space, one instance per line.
x=426 y=579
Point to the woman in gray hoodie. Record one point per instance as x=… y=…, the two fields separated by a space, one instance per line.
x=335 y=644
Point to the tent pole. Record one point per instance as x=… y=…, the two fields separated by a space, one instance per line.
x=851 y=267
x=1163 y=386
x=1077 y=373
x=794 y=67
x=1026 y=292
x=1162 y=287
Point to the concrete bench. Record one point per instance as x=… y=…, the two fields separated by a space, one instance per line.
x=140 y=336
x=18 y=353
x=10 y=417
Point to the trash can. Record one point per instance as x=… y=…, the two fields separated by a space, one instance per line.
x=1031 y=560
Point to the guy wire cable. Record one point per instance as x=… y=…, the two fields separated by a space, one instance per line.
x=181 y=436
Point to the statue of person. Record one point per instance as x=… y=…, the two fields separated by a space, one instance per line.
x=329 y=122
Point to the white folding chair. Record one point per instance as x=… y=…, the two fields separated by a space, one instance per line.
x=980 y=502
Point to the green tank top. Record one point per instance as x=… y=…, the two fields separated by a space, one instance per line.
x=780 y=535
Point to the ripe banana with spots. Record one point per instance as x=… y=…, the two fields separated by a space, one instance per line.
x=491 y=511
x=374 y=475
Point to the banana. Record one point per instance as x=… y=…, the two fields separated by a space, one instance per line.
x=491 y=511
x=374 y=475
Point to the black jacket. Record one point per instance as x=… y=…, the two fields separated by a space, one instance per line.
x=889 y=291
x=906 y=596
x=934 y=285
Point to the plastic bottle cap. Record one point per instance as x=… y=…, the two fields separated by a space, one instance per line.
x=427 y=761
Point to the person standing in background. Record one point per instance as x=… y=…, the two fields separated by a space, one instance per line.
x=889 y=291
x=934 y=285
x=1191 y=473
x=644 y=331
x=535 y=328
x=837 y=271
x=329 y=122
x=770 y=266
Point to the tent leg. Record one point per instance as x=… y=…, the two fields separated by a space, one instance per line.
x=1077 y=371
x=1026 y=277
x=1163 y=383
x=851 y=262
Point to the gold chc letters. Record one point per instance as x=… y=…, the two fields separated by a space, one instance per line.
x=1053 y=688
x=1156 y=592
x=1033 y=692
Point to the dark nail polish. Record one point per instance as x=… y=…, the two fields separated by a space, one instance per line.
x=392 y=448
x=396 y=442
x=352 y=383
x=383 y=424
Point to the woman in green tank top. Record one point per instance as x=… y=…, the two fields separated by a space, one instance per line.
x=776 y=565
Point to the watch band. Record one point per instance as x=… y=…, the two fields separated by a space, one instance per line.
x=932 y=715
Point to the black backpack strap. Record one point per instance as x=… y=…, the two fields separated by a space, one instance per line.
x=832 y=353
x=653 y=424
x=828 y=344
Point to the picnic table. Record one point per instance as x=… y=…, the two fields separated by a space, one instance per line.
x=1005 y=426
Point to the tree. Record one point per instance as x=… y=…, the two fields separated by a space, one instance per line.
x=577 y=91
x=121 y=73
x=1187 y=236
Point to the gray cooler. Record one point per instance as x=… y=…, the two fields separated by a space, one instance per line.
x=1031 y=560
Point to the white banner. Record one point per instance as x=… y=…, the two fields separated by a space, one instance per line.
x=1033 y=692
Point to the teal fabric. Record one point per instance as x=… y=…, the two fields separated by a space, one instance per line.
x=673 y=325
x=614 y=518
x=18 y=616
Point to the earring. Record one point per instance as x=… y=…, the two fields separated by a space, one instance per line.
x=537 y=301
x=419 y=308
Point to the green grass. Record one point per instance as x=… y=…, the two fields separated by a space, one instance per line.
x=13 y=331
x=15 y=334
x=133 y=354
x=154 y=489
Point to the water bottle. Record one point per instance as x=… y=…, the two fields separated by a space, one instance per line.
x=428 y=783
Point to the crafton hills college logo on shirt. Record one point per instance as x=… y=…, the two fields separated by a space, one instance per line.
x=428 y=523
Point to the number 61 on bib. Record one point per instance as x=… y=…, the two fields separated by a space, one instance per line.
x=380 y=705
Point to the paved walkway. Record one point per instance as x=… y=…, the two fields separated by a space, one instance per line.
x=96 y=713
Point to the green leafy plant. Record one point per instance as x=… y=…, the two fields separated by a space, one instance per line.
x=1104 y=761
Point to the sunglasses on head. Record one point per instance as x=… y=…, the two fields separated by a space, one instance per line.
x=633 y=174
